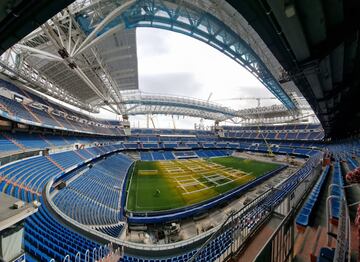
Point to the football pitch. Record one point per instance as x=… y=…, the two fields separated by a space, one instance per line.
x=170 y=184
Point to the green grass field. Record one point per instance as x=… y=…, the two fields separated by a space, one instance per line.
x=164 y=185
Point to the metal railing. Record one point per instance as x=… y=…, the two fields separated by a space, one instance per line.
x=240 y=230
x=241 y=224
x=343 y=242
x=343 y=229
x=279 y=247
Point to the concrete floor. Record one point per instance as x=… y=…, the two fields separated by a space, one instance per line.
x=259 y=240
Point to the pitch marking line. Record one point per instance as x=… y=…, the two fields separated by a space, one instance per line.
x=185 y=180
x=175 y=170
x=196 y=191
x=209 y=172
x=195 y=170
x=177 y=177
x=193 y=183
x=180 y=185
x=215 y=178
x=239 y=178
x=199 y=182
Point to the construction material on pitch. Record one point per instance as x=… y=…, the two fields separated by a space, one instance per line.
x=165 y=185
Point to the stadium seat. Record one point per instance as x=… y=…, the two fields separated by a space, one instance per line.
x=45 y=237
x=97 y=200
x=304 y=217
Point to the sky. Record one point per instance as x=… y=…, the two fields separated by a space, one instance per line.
x=175 y=64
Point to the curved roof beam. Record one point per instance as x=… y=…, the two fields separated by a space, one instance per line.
x=174 y=105
x=188 y=19
x=178 y=111
x=177 y=101
x=137 y=103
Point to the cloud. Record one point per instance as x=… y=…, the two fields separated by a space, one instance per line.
x=152 y=42
x=161 y=121
x=172 y=63
x=182 y=84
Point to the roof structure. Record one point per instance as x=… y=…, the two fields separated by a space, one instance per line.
x=196 y=19
x=141 y=103
x=317 y=44
x=82 y=77
x=86 y=54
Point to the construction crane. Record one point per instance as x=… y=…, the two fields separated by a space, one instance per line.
x=258 y=99
x=150 y=118
x=210 y=95
x=201 y=124
x=270 y=152
x=173 y=122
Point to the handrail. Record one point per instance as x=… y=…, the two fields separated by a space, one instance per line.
x=328 y=215
x=77 y=257
x=100 y=252
x=278 y=228
x=87 y=255
x=233 y=216
x=149 y=247
x=343 y=233
x=230 y=218
x=67 y=258
x=156 y=247
x=124 y=242
x=94 y=254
